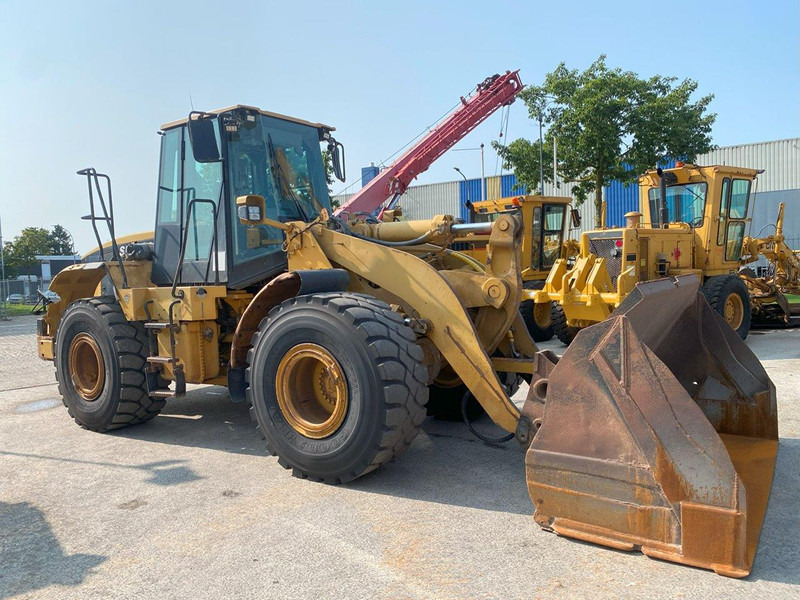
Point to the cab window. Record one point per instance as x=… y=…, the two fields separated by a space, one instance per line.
x=553 y=227
x=686 y=203
x=735 y=196
x=723 y=210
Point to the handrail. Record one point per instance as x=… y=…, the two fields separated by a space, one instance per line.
x=92 y=176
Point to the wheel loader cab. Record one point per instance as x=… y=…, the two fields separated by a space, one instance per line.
x=211 y=159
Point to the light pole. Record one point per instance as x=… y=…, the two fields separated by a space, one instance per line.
x=541 y=158
x=468 y=203
x=483 y=168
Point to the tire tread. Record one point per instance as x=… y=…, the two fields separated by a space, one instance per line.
x=390 y=342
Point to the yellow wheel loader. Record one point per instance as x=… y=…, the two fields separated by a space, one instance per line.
x=656 y=430
x=546 y=222
x=692 y=222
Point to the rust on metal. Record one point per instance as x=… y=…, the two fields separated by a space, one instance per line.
x=658 y=432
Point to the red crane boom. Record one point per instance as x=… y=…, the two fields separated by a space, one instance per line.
x=493 y=93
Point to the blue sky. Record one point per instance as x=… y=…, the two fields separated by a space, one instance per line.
x=89 y=83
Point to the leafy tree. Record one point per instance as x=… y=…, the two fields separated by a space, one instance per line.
x=61 y=241
x=610 y=125
x=20 y=254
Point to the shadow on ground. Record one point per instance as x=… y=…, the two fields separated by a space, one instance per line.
x=204 y=418
x=31 y=557
x=447 y=465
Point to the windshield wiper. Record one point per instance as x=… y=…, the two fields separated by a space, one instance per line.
x=278 y=177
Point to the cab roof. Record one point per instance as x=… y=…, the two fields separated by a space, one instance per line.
x=219 y=111
x=501 y=204
x=652 y=174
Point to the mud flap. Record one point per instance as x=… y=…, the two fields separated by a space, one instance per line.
x=658 y=431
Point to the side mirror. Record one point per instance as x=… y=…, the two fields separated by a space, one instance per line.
x=203 y=138
x=336 y=150
x=575 y=217
x=250 y=209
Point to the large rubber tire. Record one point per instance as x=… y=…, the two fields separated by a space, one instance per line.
x=730 y=290
x=444 y=402
x=564 y=332
x=123 y=399
x=534 y=315
x=385 y=377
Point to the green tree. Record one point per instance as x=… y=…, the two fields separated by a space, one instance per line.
x=609 y=124
x=21 y=253
x=61 y=242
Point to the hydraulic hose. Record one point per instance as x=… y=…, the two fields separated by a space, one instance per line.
x=414 y=242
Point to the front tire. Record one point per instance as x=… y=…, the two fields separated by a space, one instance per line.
x=728 y=296
x=336 y=385
x=537 y=317
x=564 y=332
x=100 y=359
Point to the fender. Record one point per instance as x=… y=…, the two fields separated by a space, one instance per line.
x=283 y=287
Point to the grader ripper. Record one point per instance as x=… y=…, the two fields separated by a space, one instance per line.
x=656 y=430
x=769 y=294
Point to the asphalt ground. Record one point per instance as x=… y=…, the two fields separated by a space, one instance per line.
x=190 y=506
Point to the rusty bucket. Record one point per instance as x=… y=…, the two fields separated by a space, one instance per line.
x=657 y=430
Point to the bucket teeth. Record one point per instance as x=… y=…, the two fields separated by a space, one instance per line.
x=658 y=432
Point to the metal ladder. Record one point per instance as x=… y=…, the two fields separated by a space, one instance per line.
x=156 y=362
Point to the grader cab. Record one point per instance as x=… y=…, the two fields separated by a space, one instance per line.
x=692 y=223
x=547 y=221
x=337 y=332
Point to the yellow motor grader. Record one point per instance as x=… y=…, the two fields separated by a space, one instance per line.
x=656 y=430
x=546 y=222
x=692 y=223
x=774 y=296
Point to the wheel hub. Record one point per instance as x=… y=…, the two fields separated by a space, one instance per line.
x=541 y=314
x=311 y=390
x=86 y=367
x=734 y=311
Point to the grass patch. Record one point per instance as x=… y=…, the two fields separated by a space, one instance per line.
x=15 y=310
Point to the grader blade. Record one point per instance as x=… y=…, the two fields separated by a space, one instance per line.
x=658 y=432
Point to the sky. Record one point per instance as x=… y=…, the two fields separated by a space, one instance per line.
x=89 y=83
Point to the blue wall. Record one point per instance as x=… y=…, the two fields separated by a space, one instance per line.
x=368 y=174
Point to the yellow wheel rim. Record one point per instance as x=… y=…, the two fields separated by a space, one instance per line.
x=541 y=314
x=734 y=310
x=311 y=390
x=86 y=366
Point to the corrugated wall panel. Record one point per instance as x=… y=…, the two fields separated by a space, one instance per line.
x=620 y=199
x=426 y=201
x=779 y=159
x=508 y=186
x=493 y=191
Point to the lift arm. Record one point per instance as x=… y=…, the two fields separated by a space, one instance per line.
x=493 y=93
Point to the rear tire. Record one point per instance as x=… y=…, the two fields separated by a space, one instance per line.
x=100 y=359
x=537 y=317
x=373 y=366
x=444 y=402
x=728 y=296
x=564 y=332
